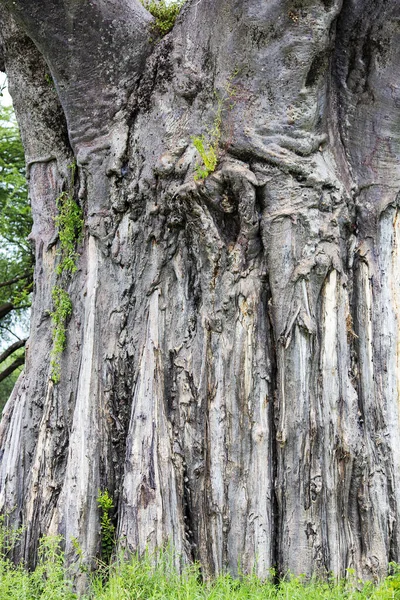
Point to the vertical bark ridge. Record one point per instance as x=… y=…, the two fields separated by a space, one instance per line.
x=371 y=142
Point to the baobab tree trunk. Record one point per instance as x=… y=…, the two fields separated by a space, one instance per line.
x=231 y=372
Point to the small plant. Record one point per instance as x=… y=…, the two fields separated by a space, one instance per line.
x=208 y=146
x=8 y=538
x=165 y=14
x=51 y=579
x=62 y=310
x=208 y=154
x=49 y=80
x=106 y=505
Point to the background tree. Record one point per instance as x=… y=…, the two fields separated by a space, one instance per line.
x=16 y=257
x=229 y=320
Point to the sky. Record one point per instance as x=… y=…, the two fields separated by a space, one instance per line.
x=5 y=99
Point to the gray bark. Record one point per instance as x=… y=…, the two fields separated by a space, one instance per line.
x=231 y=373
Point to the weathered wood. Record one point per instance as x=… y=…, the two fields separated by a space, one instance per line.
x=231 y=373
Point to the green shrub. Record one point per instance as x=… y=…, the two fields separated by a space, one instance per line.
x=51 y=580
x=165 y=14
x=106 y=506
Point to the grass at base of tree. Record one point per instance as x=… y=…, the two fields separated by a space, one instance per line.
x=141 y=579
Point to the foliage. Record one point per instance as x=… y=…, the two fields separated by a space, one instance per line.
x=16 y=255
x=165 y=14
x=208 y=149
x=106 y=506
x=208 y=154
x=8 y=538
x=155 y=577
x=62 y=310
x=51 y=580
x=207 y=146
x=139 y=578
x=15 y=214
x=69 y=223
x=7 y=385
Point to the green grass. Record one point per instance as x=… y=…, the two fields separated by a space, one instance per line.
x=139 y=579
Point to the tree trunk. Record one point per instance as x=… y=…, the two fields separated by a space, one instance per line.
x=231 y=373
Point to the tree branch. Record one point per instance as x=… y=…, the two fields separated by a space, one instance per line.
x=15 y=280
x=5 y=309
x=104 y=50
x=11 y=349
x=3 y=327
x=14 y=365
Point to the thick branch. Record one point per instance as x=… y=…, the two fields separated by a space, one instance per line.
x=11 y=349
x=5 y=309
x=89 y=46
x=14 y=365
x=16 y=279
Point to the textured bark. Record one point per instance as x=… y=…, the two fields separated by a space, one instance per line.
x=231 y=374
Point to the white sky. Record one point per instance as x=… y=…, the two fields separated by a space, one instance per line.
x=5 y=99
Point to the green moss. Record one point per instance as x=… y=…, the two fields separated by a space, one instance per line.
x=165 y=14
x=69 y=223
x=62 y=311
